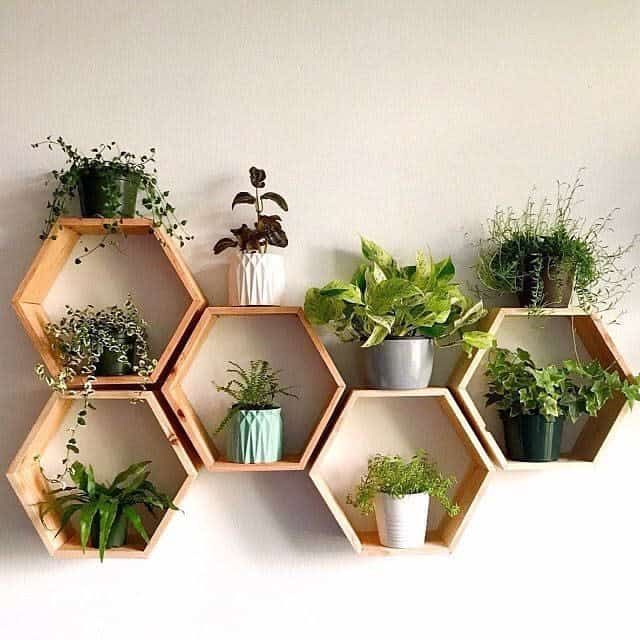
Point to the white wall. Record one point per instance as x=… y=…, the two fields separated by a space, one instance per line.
x=407 y=122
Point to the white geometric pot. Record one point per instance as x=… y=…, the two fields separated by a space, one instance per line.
x=402 y=522
x=256 y=279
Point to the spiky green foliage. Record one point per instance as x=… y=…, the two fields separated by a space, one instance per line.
x=91 y=500
x=254 y=388
x=571 y=389
x=398 y=477
x=547 y=241
x=384 y=299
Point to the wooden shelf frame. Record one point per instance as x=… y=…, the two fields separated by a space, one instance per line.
x=598 y=343
x=468 y=489
x=30 y=487
x=212 y=458
x=49 y=261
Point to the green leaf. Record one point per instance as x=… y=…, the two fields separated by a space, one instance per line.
x=107 y=510
x=321 y=309
x=377 y=336
x=342 y=290
x=373 y=252
x=444 y=271
x=386 y=295
x=136 y=521
x=132 y=476
x=87 y=513
x=422 y=276
x=479 y=339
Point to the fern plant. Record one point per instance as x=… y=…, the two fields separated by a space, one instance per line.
x=397 y=477
x=254 y=388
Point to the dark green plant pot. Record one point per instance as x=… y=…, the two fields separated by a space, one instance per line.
x=105 y=195
x=117 y=535
x=109 y=363
x=532 y=438
x=558 y=283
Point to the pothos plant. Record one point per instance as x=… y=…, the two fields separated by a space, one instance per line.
x=254 y=388
x=80 y=339
x=101 y=508
x=570 y=389
x=397 y=477
x=545 y=241
x=267 y=229
x=108 y=160
x=383 y=299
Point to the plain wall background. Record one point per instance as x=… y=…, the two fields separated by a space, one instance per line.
x=407 y=122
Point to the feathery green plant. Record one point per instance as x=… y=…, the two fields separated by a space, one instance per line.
x=253 y=388
x=398 y=478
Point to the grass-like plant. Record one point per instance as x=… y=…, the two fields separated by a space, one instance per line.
x=100 y=506
x=398 y=478
x=254 y=388
x=267 y=230
x=110 y=162
x=384 y=299
x=80 y=339
x=545 y=240
x=570 y=389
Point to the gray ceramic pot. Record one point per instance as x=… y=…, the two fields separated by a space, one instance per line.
x=400 y=363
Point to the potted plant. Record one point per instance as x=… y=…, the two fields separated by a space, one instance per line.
x=108 y=182
x=543 y=254
x=398 y=491
x=255 y=276
x=254 y=421
x=105 y=512
x=102 y=342
x=398 y=313
x=533 y=402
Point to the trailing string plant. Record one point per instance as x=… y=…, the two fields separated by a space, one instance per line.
x=81 y=341
x=544 y=244
x=383 y=299
x=254 y=388
x=113 y=165
x=397 y=477
x=570 y=389
x=106 y=511
x=267 y=230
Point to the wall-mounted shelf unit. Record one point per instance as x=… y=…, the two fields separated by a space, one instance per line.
x=400 y=422
x=53 y=256
x=174 y=467
x=283 y=337
x=550 y=335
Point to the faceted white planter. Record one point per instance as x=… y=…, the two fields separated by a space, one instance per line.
x=402 y=522
x=256 y=279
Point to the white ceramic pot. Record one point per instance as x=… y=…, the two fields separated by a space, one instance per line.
x=256 y=279
x=402 y=522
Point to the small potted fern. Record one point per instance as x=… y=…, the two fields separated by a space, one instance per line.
x=256 y=277
x=254 y=422
x=398 y=491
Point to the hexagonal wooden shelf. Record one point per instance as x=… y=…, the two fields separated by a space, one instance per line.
x=30 y=487
x=28 y=301
x=283 y=337
x=400 y=422
x=576 y=331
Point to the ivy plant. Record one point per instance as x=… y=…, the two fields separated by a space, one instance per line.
x=384 y=299
x=570 y=389
x=108 y=160
x=547 y=240
x=102 y=504
x=254 y=388
x=267 y=230
x=397 y=477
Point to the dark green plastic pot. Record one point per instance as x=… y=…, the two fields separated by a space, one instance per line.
x=117 y=535
x=532 y=438
x=557 y=285
x=109 y=363
x=104 y=194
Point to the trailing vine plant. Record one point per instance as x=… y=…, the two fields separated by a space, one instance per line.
x=110 y=161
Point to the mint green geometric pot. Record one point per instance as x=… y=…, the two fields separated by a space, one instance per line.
x=255 y=436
